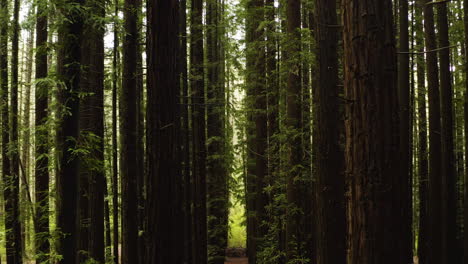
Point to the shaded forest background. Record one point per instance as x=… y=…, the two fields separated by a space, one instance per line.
x=167 y=131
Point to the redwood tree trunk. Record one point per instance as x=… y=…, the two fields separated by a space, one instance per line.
x=372 y=140
x=68 y=62
x=197 y=84
x=448 y=173
x=329 y=168
x=404 y=188
x=423 y=164
x=434 y=190
x=164 y=177
x=128 y=114
x=217 y=173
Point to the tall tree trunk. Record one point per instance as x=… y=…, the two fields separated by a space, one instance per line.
x=217 y=174
x=115 y=170
x=140 y=149
x=12 y=220
x=41 y=222
x=434 y=191
x=372 y=140
x=68 y=62
x=297 y=178
x=448 y=174
x=198 y=133
x=92 y=129
x=256 y=128
x=423 y=164
x=128 y=114
x=331 y=217
x=185 y=131
x=164 y=177
x=405 y=186
x=465 y=220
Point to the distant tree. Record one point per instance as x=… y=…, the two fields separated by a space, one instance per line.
x=217 y=173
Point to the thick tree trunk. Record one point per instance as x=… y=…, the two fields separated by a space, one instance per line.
x=448 y=173
x=372 y=141
x=331 y=217
x=434 y=191
x=128 y=114
x=68 y=62
x=164 y=177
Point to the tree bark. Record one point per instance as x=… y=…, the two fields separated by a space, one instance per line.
x=434 y=191
x=92 y=130
x=448 y=173
x=372 y=140
x=128 y=114
x=164 y=177
x=330 y=167
x=68 y=63
x=197 y=84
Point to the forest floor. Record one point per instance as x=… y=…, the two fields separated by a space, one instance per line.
x=236 y=261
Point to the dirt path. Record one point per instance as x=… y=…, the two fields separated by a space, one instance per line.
x=236 y=261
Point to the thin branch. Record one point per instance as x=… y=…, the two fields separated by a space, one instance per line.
x=427 y=51
x=23 y=172
x=437 y=2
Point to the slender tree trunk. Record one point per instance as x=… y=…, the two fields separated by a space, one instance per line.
x=69 y=59
x=256 y=129
x=448 y=173
x=296 y=177
x=198 y=133
x=4 y=103
x=185 y=131
x=41 y=226
x=330 y=167
x=92 y=130
x=164 y=177
x=128 y=114
x=372 y=116
x=434 y=191
x=217 y=173
x=465 y=220
x=405 y=187
x=423 y=164
x=12 y=221
x=115 y=170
